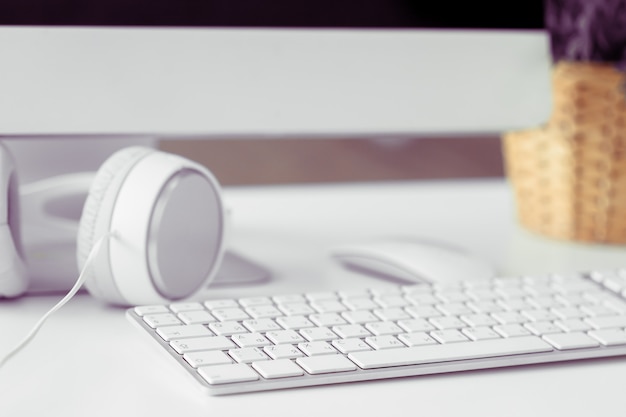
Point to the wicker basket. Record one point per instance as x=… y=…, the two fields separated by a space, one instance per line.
x=569 y=176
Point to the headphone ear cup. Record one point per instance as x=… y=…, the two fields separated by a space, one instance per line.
x=95 y=220
x=13 y=274
x=165 y=216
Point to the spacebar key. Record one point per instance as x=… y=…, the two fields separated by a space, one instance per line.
x=451 y=352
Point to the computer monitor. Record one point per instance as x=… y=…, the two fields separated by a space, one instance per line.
x=120 y=72
x=177 y=68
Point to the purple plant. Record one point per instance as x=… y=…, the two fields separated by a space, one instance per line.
x=587 y=30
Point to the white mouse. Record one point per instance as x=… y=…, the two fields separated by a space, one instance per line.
x=412 y=260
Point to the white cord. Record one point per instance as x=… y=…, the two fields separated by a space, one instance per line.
x=79 y=283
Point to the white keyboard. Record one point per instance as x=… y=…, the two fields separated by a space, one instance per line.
x=296 y=340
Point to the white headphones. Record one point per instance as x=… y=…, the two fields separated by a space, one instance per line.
x=13 y=277
x=165 y=219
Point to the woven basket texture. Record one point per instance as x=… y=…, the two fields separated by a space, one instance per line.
x=569 y=176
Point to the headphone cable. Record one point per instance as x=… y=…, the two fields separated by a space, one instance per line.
x=79 y=283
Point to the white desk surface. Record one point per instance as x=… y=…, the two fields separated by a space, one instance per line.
x=88 y=360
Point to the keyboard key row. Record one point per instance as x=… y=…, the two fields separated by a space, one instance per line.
x=288 y=336
x=443 y=316
x=448 y=303
x=289 y=344
x=298 y=329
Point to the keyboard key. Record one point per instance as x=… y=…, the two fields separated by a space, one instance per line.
x=159 y=320
x=262 y=312
x=423 y=299
x=566 y=313
x=196 y=317
x=158 y=309
x=205 y=358
x=328 y=306
x=443 y=323
x=230 y=314
x=390 y=301
x=281 y=337
x=512 y=330
x=543 y=327
x=214 y=304
x=289 y=299
x=510 y=317
x=480 y=333
x=326 y=364
x=607 y=322
x=350 y=345
x=597 y=310
x=315 y=334
x=575 y=286
x=294 y=322
x=386 y=291
x=444 y=353
x=477 y=320
x=327 y=319
x=250 y=340
x=448 y=336
x=227 y=328
x=540 y=314
x=348 y=294
x=596 y=297
x=316 y=348
x=296 y=309
x=609 y=337
x=452 y=296
x=227 y=374
x=511 y=292
x=383 y=342
x=416 y=325
x=360 y=303
x=571 y=300
x=392 y=314
x=180 y=307
x=168 y=333
x=202 y=343
x=514 y=304
x=454 y=309
x=282 y=352
x=543 y=302
x=382 y=328
x=359 y=317
x=247 y=355
x=423 y=312
x=567 y=341
x=351 y=330
x=255 y=301
x=540 y=289
x=482 y=294
x=321 y=296
x=417 y=339
x=484 y=307
x=281 y=368
x=573 y=325
x=261 y=325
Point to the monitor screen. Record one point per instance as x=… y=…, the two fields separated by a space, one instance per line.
x=189 y=68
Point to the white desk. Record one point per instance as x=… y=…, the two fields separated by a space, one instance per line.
x=89 y=360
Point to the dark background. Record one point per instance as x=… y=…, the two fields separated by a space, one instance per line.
x=489 y=14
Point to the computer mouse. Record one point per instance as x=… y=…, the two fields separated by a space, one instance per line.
x=411 y=260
